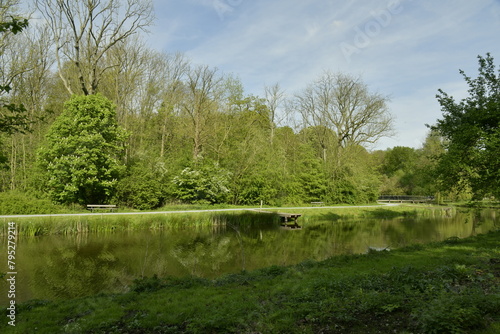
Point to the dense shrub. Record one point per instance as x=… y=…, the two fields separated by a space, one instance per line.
x=12 y=203
x=139 y=192
x=208 y=183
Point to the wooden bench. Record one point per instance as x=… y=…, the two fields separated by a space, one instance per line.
x=318 y=203
x=93 y=207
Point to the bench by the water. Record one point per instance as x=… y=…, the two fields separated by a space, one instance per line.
x=93 y=207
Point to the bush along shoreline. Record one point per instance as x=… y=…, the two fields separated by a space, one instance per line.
x=446 y=287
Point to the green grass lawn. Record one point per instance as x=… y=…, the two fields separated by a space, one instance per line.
x=447 y=287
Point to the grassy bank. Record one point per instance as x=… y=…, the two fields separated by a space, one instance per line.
x=36 y=226
x=490 y=204
x=448 y=287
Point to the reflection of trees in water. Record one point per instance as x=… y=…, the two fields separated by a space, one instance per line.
x=66 y=267
x=285 y=247
x=78 y=270
x=203 y=256
x=322 y=239
x=439 y=225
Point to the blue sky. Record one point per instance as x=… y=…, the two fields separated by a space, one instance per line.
x=404 y=49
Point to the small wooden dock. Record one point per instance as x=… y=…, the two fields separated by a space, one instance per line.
x=289 y=220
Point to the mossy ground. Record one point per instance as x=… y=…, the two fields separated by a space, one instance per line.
x=447 y=287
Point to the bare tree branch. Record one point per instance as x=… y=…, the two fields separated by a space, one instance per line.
x=343 y=104
x=274 y=97
x=84 y=31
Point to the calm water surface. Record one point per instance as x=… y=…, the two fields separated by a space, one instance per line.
x=61 y=267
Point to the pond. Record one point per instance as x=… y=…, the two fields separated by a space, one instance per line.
x=61 y=267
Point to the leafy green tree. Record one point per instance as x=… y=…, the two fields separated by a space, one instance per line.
x=410 y=171
x=399 y=158
x=356 y=180
x=82 y=152
x=425 y=169
x=398 y=170
x=471 y=128
x=313 y=180
x=144 y=186
x=205 y=183
x=247 y=153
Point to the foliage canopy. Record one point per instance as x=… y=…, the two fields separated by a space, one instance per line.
x=196 y=136
x=82 y=152
x=472 y=130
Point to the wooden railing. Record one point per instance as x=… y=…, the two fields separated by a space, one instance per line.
x=405 y=198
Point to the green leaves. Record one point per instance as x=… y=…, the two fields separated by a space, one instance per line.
x=13 y=118
x=471 y=127
x=14 y=26
x=83 y=150
x=207 y=183
x=144 y=187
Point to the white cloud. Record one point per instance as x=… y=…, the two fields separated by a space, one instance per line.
x=410 y=53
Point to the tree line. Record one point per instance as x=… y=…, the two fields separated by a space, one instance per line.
x=90 y=114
